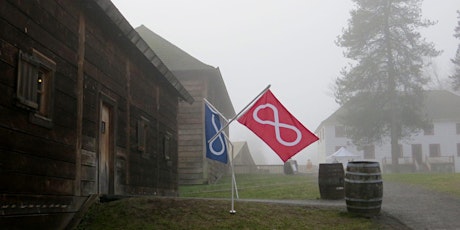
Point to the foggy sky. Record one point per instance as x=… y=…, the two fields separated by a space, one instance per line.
x=288 y=44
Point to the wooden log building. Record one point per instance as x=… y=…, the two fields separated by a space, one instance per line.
x=202 y=81
x=86 y=109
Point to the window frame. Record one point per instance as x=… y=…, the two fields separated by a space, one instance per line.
x=458 y=149
x=35 y=86
x=434 y=150
x=167 y=140
x=143 y=125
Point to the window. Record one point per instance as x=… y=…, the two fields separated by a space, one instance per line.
x=35 y=83
x=369 y=152
x=142 y=135
x=458 y=128
x=458 y=149
x=400 y=150
x=435 y=150
x=339 y=131
x=167 y=146
x=428 y=130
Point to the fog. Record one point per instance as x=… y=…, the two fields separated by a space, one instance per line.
x=287 y=44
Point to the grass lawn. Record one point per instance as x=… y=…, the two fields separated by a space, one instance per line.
x=441 y=182
x=190 y=211
x=260 y=186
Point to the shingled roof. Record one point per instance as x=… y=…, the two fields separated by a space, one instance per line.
x=440 y=105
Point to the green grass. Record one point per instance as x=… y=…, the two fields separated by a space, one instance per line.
x=443 y=182
x=187 y=212
x=180 y=213
x=259 y=186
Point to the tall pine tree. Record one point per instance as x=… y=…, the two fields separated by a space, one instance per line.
x=382 y=89
x=456 y=76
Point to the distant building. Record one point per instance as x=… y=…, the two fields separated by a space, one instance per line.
x=202 y=81
x=243 y=162
x=436 y=148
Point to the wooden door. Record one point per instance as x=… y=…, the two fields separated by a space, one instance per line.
x=105 y=177
x=417 y=153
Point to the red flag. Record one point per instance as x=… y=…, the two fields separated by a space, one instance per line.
x=270 y=121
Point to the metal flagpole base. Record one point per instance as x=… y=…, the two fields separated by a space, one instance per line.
x=232 y=211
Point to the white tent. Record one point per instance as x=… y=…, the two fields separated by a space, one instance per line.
x=343 y=156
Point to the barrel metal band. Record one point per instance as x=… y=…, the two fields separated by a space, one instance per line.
x=362 y=182
x=360 y=207
x=363 y=200
x=364 y=174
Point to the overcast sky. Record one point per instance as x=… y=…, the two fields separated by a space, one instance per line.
x=288 y=44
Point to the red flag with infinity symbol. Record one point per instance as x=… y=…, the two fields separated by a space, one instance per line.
x=270 y=121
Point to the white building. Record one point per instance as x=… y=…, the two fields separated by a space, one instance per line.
x=436 y=148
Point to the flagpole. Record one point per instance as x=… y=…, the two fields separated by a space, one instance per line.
x=232 y=211
x=237 y=115
x=234 y=187
x=215 y=109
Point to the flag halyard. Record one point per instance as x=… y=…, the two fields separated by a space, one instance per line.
x=277 y=127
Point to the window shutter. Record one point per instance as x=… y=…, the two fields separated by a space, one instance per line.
x=167 y=146
x=141 y=135
x=27 y=81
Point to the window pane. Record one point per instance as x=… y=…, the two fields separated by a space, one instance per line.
x=458 y=149
x=435 y=150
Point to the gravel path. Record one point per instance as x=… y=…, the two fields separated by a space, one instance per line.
x=420 y=208
x=403 y=207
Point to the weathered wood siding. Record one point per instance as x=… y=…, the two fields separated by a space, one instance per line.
x=43 y=169
x=194 y=167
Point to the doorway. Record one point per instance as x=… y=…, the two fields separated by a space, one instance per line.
x=417 y=154
x=106 y=149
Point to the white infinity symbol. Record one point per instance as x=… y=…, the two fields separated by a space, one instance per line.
x=211 y=148
x=276 y=123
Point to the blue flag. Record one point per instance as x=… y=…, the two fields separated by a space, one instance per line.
x=216 y=149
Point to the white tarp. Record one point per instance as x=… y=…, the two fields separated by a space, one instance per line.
x=343 y=156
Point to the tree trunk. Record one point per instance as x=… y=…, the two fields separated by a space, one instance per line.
x=394 y=129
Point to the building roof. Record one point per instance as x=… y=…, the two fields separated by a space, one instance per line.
x=242 y=154
x=185 y=66
x=439 y=105
x=128 y=31
x=174 y=57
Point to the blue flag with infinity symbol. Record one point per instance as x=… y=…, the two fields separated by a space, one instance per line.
x=216 y=149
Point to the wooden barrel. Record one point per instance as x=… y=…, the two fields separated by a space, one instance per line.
x=363 y=188
x=290 y=167
x=330 y=181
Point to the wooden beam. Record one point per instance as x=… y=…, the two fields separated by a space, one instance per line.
x=80 y=85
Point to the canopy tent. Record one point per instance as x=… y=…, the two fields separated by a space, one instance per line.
x=342 y=155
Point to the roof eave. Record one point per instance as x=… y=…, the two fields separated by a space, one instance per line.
x=127 y=30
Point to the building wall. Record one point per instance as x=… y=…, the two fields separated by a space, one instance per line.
x=444 y=134
x=44 y=170
x=194 y=167
x=37 y=156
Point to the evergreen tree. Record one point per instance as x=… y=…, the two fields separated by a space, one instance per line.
x=382 y=89
x=456 y=76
